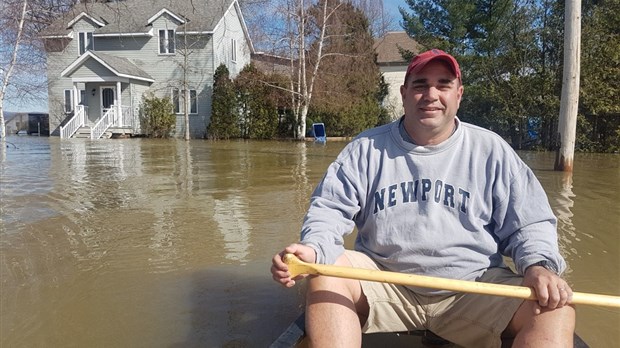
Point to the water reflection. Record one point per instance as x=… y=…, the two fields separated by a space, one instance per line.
x=230 y=215
x=562 y=209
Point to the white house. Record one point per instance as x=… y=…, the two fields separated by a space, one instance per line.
x=393 y=66
x=103 y=57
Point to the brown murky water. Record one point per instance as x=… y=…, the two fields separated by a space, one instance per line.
x=156 y=243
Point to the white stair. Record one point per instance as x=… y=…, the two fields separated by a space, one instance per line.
x=84 y=133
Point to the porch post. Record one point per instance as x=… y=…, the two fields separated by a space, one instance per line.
x=76 y=95
x=118 y=103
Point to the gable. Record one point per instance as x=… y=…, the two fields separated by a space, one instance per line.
x=97 y=64
x=85 y=16
x=91 y=68
x=84 y=24
x=169 y=15
x=165 y=21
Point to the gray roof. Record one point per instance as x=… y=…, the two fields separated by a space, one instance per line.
x=131 y=16
x=387 y=48
x=122 y=65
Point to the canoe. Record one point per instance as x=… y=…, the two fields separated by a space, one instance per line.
x=294 y=335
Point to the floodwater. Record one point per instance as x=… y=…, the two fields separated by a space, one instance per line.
x=166 y=243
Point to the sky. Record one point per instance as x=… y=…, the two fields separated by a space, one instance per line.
x=12 y=105
x=391 y=6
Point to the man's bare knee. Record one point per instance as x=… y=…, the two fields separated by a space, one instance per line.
x=333 y=307
x=338 y=291
x=531 y=324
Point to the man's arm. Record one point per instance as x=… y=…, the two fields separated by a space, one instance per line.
x=333 y=206
x=527 y=230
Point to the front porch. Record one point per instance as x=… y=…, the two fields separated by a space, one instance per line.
x=104 y=98
x=115 y=120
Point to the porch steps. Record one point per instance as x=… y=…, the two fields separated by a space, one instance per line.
x=84 y=133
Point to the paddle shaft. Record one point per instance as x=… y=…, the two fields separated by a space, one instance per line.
x=297 y=267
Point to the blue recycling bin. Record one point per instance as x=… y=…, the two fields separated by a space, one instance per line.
x=319 y=132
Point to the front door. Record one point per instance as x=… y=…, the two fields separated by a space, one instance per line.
x=107 y=98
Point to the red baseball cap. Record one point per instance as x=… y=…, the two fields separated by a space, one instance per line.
x=419 y=62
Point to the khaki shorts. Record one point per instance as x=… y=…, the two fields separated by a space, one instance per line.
x=469 y=320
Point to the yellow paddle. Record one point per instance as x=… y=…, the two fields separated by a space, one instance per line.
x=297 y=267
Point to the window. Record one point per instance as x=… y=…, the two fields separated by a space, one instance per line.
x=178 y=98
x=175 y=101
x=68 y=100
x=193 y=105
x=166 y=41
x=82 y=100
x=233 y=50
x=86 y=41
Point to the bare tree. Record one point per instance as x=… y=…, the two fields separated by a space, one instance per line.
x=22 y=52
x=193 y=71
x=297 y=29
x=15 y=46
x=380 y=21
x=185 y=50
x=304 y=31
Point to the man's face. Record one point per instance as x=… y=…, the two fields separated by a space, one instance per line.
x=431 y=98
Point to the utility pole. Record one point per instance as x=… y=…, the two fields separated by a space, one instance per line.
x=570 y=86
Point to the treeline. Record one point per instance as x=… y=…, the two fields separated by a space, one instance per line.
x=339 y=84
x=511 y=55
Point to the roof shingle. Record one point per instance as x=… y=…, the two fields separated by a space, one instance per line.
x=131 y=16
x=387 y=48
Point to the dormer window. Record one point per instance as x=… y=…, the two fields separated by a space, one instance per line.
x=86 y=41
x=166 y=41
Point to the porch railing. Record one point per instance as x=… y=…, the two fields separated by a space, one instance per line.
x=103 y=123
x=127 y=117
x=78 y=120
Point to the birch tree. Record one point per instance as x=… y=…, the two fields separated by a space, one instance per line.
x=14 y=47
x=22 y=53
x=303 y=87
x=347 y=94
x=291 y=38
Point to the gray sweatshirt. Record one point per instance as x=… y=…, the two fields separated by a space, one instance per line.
x=449 y=210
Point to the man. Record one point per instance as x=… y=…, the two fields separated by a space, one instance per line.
x=432 y=195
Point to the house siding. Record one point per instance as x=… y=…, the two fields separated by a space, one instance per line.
x=85 y=25
x=92 y=67
x=56 y=62
x=129 y=46
x=394 y=76
x=230 y=28
x=169 y=72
